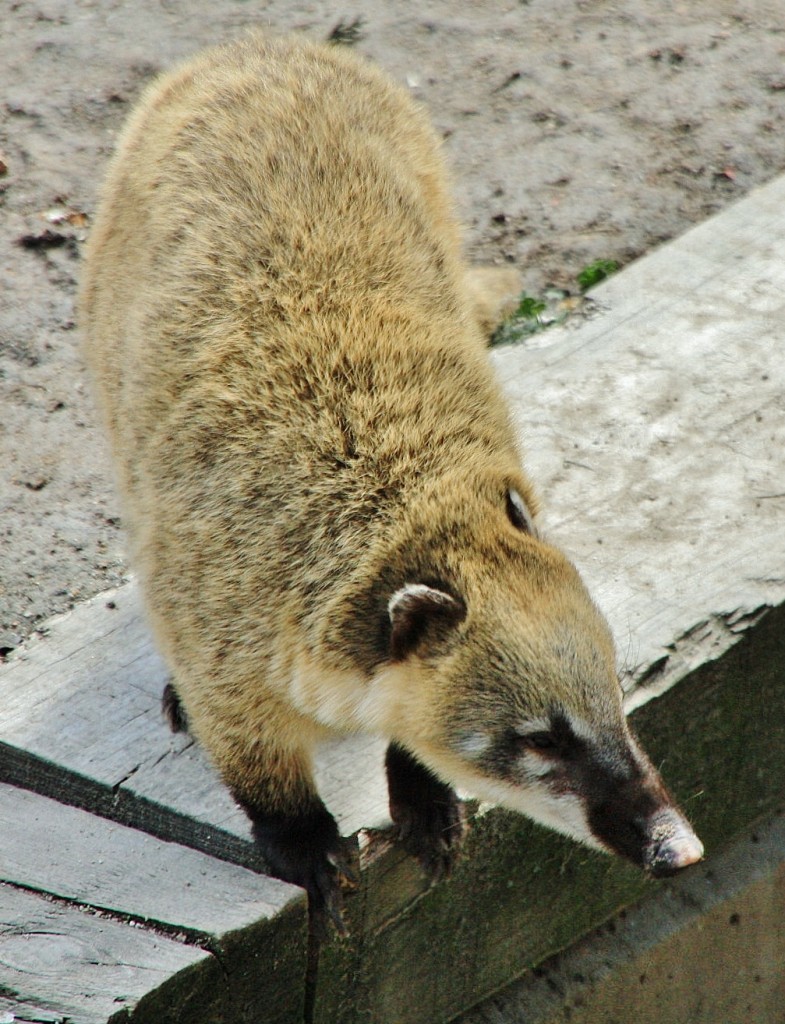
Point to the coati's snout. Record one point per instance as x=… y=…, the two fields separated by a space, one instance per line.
x=596 y=786
x=632 y=813
x=600 y=790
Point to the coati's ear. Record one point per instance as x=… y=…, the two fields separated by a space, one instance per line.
x=519 y=514
x=416 y=609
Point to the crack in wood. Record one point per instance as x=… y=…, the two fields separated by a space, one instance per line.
x=704 y=642
x=187 y=936
x=128 y=775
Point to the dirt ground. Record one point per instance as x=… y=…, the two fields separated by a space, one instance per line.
x=576 y=129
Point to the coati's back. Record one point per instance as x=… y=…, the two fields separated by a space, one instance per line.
x=326 y=505
x=275 y=315
x=264 y=187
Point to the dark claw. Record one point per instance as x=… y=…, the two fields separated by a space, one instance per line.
x=331 y=880
x=325 y=906
x=308 y=850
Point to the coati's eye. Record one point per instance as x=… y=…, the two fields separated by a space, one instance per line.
x=518 y=513
x=540 y=741
x=543 y=739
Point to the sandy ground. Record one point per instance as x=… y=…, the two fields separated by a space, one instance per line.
x=577 y=130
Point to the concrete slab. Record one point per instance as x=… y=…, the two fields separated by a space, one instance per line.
x=707 y=947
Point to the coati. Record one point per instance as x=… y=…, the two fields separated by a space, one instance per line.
x=325 y=498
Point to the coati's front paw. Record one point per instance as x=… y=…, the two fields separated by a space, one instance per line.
x=309 y=851
x=428 y=815
x=433 y=833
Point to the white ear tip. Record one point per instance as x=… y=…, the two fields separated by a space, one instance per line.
x=414 y=611
x=415 y=593
x=406 y=594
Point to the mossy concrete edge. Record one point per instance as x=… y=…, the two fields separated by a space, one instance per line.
x=521 y=893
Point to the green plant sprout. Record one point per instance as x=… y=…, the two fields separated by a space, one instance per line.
x=596 y=272
x=553 y=306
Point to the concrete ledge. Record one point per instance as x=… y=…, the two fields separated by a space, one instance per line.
x=523 y=894
x=707 y=947
x=656 y=434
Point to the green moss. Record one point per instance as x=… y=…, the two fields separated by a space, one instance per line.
x=596 y=272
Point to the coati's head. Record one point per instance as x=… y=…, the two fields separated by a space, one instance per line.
x=506 y=684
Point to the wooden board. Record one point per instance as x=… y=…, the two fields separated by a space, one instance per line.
x=656 y=432
x=100 y=883
x=78 y=966
x=86 y=859
x=82 y=722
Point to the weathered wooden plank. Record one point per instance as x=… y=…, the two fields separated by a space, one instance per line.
x=59 y=962
x=75 y=859
x=657 y=434
x=79 y=966
x=82 y=722
x=94 y=675
x=41 y=775
x=88 y=860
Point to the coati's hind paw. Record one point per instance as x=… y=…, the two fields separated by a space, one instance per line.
x=173 y=710
x=428 y=815
x=494 y=292
x=308 y=850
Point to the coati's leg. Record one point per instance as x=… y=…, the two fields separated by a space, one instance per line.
x=295 y=833
x=427 y=812
x=308 y=850
x=494 y=293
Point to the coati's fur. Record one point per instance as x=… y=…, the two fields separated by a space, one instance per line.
x=324 y=494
